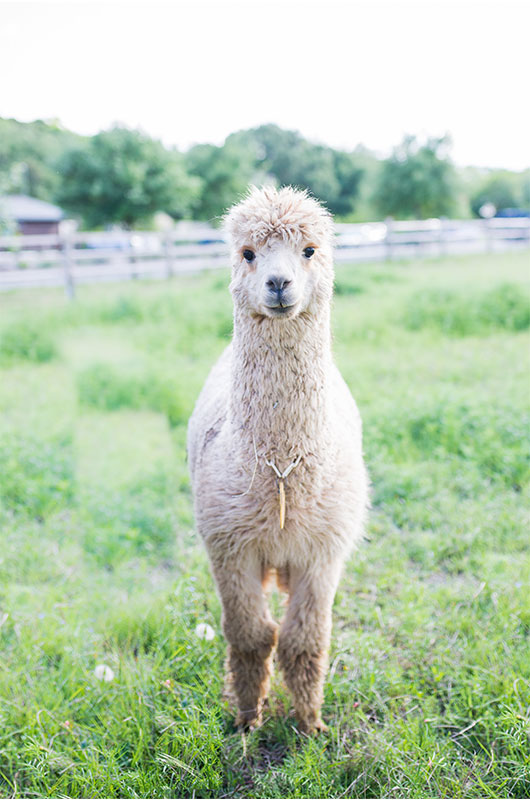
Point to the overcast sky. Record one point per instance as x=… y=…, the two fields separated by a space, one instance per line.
x=341 y=73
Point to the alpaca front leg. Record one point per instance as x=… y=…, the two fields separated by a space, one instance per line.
x=250 y=633
x=304 y=641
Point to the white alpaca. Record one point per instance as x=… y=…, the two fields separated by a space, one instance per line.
x=275 y=453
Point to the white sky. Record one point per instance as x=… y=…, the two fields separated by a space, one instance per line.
x=342 y=73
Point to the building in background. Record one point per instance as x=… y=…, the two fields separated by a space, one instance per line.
x=27 y=215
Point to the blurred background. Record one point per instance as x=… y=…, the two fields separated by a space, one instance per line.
x=126 y=130
x=127 y=117
x=412 y=110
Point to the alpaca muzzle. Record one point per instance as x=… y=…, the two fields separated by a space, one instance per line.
x=280 y=293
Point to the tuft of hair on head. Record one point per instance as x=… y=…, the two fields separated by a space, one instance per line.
x=286 y=213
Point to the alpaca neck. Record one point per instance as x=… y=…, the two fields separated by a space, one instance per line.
x=280 y=383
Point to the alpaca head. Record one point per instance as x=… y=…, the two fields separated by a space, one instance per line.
x=281 y=244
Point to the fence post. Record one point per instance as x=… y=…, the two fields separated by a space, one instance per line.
x=19 y=262
x=133 y=261
x=489 y=235
x=388 y=238
x=66 y=247
x=168 y=250
x=441 y=239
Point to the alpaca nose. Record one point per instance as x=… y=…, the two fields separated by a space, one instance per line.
x=277 y=284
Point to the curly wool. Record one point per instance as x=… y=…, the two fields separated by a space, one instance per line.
x=291 y=216
x=276 y=395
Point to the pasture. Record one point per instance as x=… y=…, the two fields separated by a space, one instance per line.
x=428 y=692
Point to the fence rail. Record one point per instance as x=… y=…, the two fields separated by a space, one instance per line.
x=56 y=259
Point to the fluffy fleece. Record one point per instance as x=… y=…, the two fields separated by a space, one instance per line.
x=275 y=395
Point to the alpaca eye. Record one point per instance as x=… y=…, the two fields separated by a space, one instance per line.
x=249 y=255
x=309 y=251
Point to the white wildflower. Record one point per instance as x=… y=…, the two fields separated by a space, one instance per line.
x=104 y=673
x=204 y=631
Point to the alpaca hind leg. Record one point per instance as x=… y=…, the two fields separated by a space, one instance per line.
x=250 y=633
x=304 y=641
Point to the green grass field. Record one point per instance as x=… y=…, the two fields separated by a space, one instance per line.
x=428 y=692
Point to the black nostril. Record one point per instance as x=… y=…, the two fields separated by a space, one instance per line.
x=277 y=284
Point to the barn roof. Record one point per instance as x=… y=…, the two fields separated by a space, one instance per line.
x=22 y=208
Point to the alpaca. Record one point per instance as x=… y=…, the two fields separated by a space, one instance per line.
x=275 y=454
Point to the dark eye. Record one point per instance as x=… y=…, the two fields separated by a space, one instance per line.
x=309 y=251
x=249 y=255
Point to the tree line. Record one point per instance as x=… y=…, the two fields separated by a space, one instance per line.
x=123 y=176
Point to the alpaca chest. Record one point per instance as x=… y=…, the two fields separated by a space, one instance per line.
x=319 y=518
x=320 y=514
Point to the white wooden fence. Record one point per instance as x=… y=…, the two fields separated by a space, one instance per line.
x=55 y=260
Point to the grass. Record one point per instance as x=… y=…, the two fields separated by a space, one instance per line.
x=429 y=688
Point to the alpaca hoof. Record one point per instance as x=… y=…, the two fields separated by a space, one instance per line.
x=248 y=727
x=247 y=721
x=313 y=727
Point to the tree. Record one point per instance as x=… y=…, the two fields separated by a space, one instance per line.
x=417 y=181
x=500 y=188
x=272 y=147
x=369 y=166
x=225 y=173
x=331 y=175
x=524 y=178
x=349 y=174
x=29 y=152
x=124 y=176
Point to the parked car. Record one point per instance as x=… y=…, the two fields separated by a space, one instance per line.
x=513 y=212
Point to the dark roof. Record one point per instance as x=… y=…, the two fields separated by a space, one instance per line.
x=22 y=208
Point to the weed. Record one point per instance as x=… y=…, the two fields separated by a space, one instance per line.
x=506 y=307
x=109 y=388
x=26 y=341
x=429 y=686
x=36 y=476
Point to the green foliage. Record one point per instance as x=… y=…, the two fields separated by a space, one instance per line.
x=225 y=173
x=23 y=340
x=492 y=442
x=429 y=686
x=347 y=284
x=417 y=181
x=36 y=476
x=122 y=309
x=524 y=179
x=507 y=307
x=331 y=175
x=124 y=176
x=503 y=189
x=29 y=152
x=349 y=174
x=136 y=521
x=108 y=388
